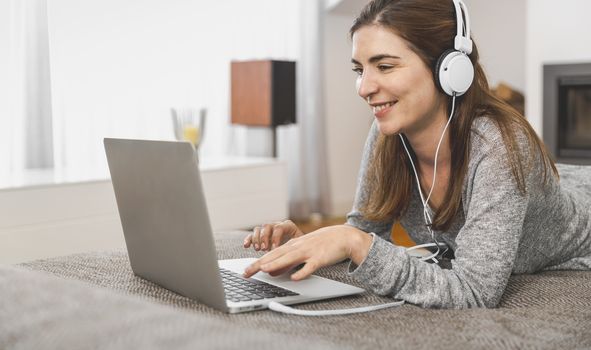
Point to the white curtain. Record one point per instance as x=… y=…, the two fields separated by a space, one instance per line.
x=304 y=147
x=25 y=107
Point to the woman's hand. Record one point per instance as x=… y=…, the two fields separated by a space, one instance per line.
x=271 y=236
x=317 y=249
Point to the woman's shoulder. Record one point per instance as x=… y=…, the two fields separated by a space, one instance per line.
x=487 y=135
x=483 y=124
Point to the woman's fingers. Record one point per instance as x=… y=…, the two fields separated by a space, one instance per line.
x=309 y=268
x=280 y=231
x=287 y=260
x=283 y=232
x=282 y=271
x=271 y=236
x=266 y=233
x=256 y=239
x=265 y=259
x=276 y=263
x=247 y=241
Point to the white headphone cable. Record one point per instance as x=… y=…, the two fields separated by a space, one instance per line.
x=427 y=217
x=453 y=106
x=277 y=307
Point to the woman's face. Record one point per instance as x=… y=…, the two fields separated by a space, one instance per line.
x=399 y=85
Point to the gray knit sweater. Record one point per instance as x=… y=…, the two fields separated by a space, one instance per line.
x=499 y=231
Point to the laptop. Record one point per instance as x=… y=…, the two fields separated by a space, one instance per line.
x=169 y=238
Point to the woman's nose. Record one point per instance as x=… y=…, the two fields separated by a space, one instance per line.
x=366 y=85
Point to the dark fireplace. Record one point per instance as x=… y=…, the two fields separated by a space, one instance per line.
x=567 y=112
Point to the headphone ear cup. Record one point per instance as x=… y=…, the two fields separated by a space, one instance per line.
x=438 y=67
x=454 y=72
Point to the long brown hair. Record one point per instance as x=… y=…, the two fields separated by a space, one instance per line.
x=429 y=28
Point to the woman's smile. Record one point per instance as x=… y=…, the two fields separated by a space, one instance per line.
x=380 y=110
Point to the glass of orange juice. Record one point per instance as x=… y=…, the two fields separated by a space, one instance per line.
x=189 y=124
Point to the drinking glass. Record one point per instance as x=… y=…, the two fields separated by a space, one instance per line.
x=189 y=124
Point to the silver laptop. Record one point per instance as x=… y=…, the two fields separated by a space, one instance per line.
x=169 y=239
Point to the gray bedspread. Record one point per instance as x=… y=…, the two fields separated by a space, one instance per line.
x=94 y=301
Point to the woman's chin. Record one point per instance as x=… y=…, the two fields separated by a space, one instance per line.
x=387 y=128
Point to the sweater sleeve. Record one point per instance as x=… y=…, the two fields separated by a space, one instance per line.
x=486 y=247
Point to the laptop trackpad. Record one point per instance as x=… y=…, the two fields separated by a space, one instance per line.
x=311 y=286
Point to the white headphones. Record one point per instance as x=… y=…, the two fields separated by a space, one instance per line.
x=454 y=71
x=453 y=74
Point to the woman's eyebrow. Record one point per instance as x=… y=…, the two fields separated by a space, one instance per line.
x=376 y=58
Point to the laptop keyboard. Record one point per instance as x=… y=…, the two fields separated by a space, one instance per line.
x=238 y=288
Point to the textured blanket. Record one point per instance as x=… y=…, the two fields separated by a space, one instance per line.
x=94 y=301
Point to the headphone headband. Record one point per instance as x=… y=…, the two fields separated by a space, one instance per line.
x=454 y=71
x=462 y=41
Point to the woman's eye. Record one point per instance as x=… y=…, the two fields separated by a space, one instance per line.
x=358 y=70
x=385 y=67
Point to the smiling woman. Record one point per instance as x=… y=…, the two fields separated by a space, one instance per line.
x=406 y=83
x=485 y=195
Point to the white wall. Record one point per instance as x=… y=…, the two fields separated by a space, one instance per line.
x=347 y=117
x=498 y=27
x=556 y=32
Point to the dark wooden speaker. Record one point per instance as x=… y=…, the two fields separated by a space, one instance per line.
x=263 y=93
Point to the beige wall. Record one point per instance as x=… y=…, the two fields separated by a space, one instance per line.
x=498 y=29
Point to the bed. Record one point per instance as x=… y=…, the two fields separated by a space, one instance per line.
x=94 y=301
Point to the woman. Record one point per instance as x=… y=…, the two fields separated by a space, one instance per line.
x=465 y=174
